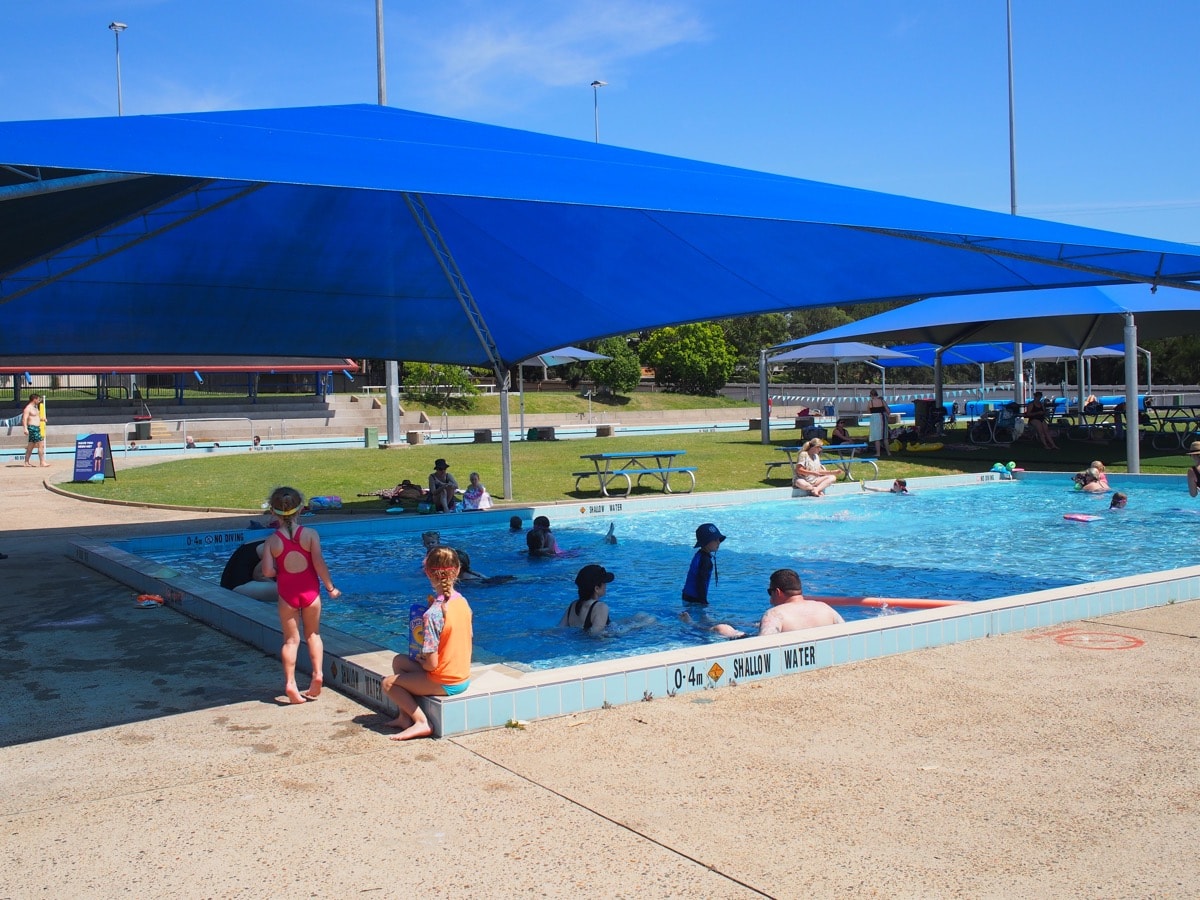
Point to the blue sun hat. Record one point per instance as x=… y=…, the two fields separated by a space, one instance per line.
x=708 y=532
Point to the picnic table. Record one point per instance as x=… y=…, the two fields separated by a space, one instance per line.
x=1090 y=426
x=1172 y=427
x=633 y=466
x=843 y=456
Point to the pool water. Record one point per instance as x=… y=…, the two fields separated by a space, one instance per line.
x=960 y=543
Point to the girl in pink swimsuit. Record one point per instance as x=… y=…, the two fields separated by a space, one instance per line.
x=292 y=555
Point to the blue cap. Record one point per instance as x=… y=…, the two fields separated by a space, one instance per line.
x=708 y=532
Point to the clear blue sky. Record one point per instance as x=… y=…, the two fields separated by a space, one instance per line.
x=904 y=96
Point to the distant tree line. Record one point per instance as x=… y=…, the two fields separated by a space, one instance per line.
x=702 y=357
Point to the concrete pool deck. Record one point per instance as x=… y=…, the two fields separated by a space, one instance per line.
x=142 y=753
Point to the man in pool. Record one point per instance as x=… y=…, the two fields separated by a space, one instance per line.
x=789 y=610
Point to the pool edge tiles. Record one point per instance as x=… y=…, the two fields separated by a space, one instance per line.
x=501 y=693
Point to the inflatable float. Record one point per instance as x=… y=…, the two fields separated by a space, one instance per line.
x=902 y=602
x=924 y=448
x=148 y=601
x=1080 y=517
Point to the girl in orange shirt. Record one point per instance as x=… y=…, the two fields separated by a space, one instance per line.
x=442 y=667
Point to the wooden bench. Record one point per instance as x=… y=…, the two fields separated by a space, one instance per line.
x=663 y=474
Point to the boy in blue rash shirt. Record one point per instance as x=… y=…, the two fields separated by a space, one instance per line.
x=708 y=539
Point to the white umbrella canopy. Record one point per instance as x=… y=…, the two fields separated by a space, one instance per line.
x=559 y=357
x=1050 y=353
x=1064 y=355
x=840 y=352
x=562 y=356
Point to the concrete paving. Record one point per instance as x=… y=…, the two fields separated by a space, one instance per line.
x=142 y=754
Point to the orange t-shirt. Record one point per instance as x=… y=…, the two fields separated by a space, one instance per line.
x=453 y=632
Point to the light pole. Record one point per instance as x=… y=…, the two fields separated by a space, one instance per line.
x=116 y=28
x=596 y=85
x=380 y=66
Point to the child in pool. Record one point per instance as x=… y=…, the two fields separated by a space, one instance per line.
x=292 y=556
x=703 y=567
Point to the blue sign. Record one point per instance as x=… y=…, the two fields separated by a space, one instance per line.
x=93 y=458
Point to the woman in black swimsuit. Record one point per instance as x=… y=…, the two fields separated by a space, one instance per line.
x=1035 y=412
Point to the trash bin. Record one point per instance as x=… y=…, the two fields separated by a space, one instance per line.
x=483 y=435
x=829 y=409
x=803 y=422
x=415 y=437
x=371 y=438
x=604 y=431
x=531 y=435
x=141 y=431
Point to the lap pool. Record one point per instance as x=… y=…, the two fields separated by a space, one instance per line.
x=957 y=543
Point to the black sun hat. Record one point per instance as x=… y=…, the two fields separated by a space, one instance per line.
x=590 y=577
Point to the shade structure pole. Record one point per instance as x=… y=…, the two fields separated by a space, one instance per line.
x=391 y=383
x=1018 y=372
x=938 y=386
x=504 y=380
x=445 y=259
x=521 y=396
x=1132 y=420
x=764 y=410
x=882 y=375
x=1079 y=378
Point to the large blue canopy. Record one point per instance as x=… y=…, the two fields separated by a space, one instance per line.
x=1073 y=317
x=366 y=231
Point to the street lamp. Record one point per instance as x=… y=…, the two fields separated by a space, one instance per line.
x=116 y=28
x=596 y=85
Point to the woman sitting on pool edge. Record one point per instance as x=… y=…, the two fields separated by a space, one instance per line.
x=810 y=475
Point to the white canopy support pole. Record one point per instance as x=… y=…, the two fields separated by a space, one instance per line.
x=763 y=409
x=883 y=375
x=521 y=397
x=1019 y=373
x=1132 y=434
x=938 y=387
x=392 y=382
x=445 y=259
x=504 y=380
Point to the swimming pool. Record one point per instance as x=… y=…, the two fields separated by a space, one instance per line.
x=956 y=542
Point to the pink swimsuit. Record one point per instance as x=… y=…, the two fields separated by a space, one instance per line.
x=297 y=589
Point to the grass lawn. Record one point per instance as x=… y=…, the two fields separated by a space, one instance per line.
x=541 y=469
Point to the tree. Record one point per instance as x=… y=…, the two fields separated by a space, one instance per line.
x=438 y=385
x=690 y=359
x=619 y=375
x=749 y=335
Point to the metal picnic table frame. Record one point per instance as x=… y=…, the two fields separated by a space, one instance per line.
x=844 y=456
x=1174 y=425
x=609 y=467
